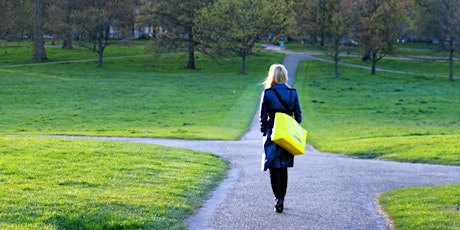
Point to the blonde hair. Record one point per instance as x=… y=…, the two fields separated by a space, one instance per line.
x=276 y=75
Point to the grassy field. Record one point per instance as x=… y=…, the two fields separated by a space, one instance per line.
x=52 y=183
x=148 y=97
x=389 y=116
x=410 y=118
x=423 y=208
x=21 y=52
x=399 y=49
x=425 y=67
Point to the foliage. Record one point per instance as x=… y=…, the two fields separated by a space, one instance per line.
x=441 y=17
x=15 y=21
x=423 y=208
x=395 y=116
x=335 y=26
x=378 y=26
x=237 y=25
x=176 y=21
x=98 y=16
x=51 y=183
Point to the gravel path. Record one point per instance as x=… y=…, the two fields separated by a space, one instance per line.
x=325 y=191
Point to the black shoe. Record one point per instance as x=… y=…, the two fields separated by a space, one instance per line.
x=279 y=206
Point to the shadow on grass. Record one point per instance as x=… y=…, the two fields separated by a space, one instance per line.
x=112 y=215
x=367 y=155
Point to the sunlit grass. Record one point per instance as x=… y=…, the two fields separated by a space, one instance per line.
x=423 y=208
x=60 y=184
x=51 y=183
x=149 y=97
x=389 y=116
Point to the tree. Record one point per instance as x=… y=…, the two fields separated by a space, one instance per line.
x=442 y=17
x=39 y=53
x=100 y=16
x=333 y=24
x=236 y=25
x=61 y=18
x=304 y=19
x=175 y=19
x=377 y=27
x=15 y=20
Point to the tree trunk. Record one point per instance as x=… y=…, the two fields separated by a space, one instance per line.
x=243 y=64
x=374 y=60
x=374 y=63
x=191 y=55
x=336 y=64
x=39 y=44
x=451 y=60
x=367 y=54
x=100 y=52
x=67 y=44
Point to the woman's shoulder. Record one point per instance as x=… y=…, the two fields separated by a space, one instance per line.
x=280 y=86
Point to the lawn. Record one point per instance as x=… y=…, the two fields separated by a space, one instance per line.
x=21 y=52
x=423 y=208
x=390 y=116
x=137 y=96
x=52 y=183
x=425 y=67
x=409 y=118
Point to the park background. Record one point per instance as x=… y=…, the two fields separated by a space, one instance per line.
x=400 y=104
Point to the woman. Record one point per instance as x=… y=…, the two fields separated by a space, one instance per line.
x=277 y=160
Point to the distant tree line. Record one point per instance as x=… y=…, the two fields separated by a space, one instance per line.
x=219 y=27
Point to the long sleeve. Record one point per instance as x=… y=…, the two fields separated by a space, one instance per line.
x=263 y=114
x=297 y=111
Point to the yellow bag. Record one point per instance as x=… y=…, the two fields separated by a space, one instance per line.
x=288 y=134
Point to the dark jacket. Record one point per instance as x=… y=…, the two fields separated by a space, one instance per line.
x=275 y=156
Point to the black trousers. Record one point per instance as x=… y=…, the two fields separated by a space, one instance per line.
x=279 y=181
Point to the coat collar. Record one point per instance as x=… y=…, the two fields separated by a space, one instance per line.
x=280 y=86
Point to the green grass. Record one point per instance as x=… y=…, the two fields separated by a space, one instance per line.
x=52 y=183
x=139 y=96
x=389 y=116
x=423 y=208
x=21 y=52
x=399 y=117
x=425 y=66
x=421 y=50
